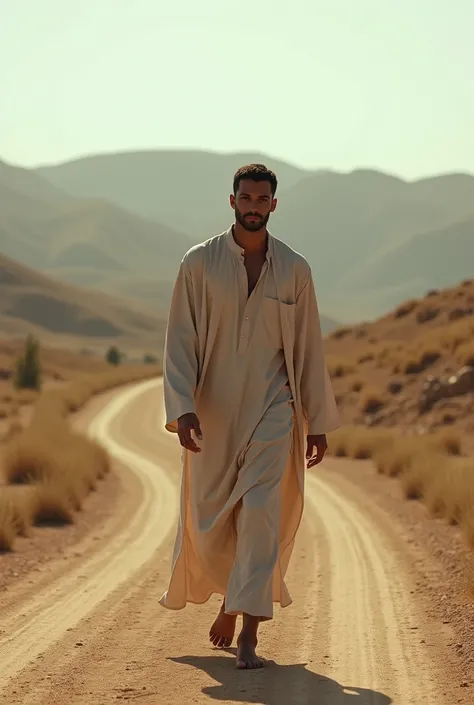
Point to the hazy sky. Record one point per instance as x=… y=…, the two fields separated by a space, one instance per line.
x=321 y=83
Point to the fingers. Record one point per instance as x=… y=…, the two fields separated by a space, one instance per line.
x=197 y=430
x=316 y=459
x=186 y=438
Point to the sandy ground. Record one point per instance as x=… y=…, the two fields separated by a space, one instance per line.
x=92 y=631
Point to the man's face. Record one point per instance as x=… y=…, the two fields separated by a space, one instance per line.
x=253 y=204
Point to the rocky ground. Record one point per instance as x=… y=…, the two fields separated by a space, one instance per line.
x=413 y=368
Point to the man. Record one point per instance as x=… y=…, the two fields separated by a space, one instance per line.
x=244 y=372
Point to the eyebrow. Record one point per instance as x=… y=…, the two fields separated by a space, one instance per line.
x=264 y=195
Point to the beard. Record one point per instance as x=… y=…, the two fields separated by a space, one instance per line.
x=249 y=225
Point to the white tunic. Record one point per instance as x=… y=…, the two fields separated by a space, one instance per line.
x=234 y=360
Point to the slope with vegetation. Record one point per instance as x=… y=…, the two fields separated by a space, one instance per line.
x=405 y=387
x=46 y=468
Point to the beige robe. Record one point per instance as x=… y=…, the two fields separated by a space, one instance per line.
x=253 y=370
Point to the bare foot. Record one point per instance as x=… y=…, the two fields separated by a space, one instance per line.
x=222 y=631
x=246 y=656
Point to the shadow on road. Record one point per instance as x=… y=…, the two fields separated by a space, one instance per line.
x=277 y=685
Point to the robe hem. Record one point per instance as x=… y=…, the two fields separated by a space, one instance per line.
x=162 y=602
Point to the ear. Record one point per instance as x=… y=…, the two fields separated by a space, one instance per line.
x=232 y=200
x=274 y=205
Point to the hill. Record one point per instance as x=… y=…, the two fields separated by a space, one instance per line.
x=355 y=222
x=441 y=255
x=412 y=368
x=346 y=224
x=90 y=242
x=87 y=242
x=32 y=302
x=187 y=190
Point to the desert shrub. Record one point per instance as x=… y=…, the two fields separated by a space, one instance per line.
x=371 y=401
x=339 y=367
x=15 y=517
x=357 y=385
x=405 y=308
x=365 y=357
x=28 y=368
x=458 y=313
x=420 y=361
x=465 y=354
x=428 y=313
x=113 y=355
x=430 y=468
x=358 y=442
x=149 y=359
x=394 y=387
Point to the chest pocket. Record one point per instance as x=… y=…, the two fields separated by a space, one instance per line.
x=271 y=314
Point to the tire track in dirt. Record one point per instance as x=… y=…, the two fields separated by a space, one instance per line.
x=347 y=637
x=376 y=641
x=61 y=605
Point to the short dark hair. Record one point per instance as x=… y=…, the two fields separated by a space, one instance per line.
x=255 y=172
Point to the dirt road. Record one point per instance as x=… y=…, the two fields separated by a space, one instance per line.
x=91 y=631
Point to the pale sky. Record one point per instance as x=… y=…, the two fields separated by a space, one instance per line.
x=341 y=84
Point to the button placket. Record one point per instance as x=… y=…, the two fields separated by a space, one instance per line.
x=243 y=335
x=245 y=325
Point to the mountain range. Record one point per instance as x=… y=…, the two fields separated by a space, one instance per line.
x=372 y=239
x=118 y=225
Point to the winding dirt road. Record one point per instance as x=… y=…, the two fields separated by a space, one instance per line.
x=91 y=631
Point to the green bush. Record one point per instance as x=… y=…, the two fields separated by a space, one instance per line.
x=113 y=355
x=28 y=367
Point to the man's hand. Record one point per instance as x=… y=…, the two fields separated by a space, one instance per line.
x=186 y=424
x=315 y=450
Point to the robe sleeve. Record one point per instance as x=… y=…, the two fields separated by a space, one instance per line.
x=316 y=393
x=180 y=359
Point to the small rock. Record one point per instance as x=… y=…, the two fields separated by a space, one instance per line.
x=79 y=643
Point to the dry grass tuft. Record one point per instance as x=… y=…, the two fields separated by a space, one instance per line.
x=338 y=367
x=15 y=517
x=428 y=313
x=465 y=354
x=52 y=505
x=52 y=467
x=7 y=524
x=430 y=468
x=406 y=308
x=371 y=400
x=420 y=360
x=366 y=357
x=358 y=442
x=357 y=385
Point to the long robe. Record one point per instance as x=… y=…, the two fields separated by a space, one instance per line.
x=252 y=368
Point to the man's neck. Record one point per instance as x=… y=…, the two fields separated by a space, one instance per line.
x=252 y=243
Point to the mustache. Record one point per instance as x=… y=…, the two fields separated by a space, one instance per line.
x=253 y=215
